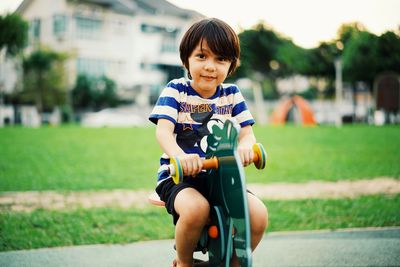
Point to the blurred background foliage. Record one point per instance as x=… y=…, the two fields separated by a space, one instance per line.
x=364 y=55
x=266 y=56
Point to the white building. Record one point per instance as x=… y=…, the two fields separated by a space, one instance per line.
x=133 y=42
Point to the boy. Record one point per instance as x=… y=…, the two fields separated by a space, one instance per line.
x=184 y=114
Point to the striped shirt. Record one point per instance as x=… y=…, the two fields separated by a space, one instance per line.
x=194 y=115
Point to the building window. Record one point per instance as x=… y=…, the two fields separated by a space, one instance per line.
x=35 y=28
x=148 y=66
x=150 y=28
x=100 y=67
x=166 y=31
x=148 y=9
x=119 y=26
x=169 y=46
x=88 y=28
x=59 y=24
x=91 y=67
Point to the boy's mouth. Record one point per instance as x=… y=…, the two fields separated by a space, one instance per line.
x=209 y=78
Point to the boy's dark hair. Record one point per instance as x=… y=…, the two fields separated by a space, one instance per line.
x=220 y=37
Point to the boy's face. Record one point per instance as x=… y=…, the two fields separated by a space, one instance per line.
x=207 y=70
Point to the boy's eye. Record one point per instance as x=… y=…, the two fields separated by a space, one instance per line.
x=222 y=59
x=200 y=56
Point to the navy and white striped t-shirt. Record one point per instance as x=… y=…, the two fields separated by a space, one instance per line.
x=194 y=115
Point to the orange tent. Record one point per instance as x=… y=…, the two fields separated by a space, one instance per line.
x=280 y=114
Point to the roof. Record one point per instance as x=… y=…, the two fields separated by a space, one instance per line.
x=165 y=7
x=132 y=6
x=120 y=6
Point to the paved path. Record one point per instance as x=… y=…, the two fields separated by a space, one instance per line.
x=31 y=200
x=357 y=247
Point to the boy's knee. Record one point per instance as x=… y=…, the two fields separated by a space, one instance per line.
x=259 y=217
x=261 y=220
x=196 y=215
x=194 y=211
x=265 y=216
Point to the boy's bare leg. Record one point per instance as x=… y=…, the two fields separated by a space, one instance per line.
x=194 y=211
x=258 y=219
x=258 y=223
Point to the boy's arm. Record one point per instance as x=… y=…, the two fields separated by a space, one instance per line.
x=166 y=139
x=245 y=146
x=191 y=163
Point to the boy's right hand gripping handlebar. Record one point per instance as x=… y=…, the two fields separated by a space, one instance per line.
x=176 y=171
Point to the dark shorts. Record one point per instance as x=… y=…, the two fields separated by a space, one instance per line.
x=168 y=190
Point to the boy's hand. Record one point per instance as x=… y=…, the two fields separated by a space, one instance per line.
x=191 y=164
x=246 y=153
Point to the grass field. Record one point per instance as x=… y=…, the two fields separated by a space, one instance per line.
x=74 y=158
x=71 y=158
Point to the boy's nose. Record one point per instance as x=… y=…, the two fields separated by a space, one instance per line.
x=210 y=65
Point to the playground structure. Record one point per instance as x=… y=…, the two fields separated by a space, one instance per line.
x=289 y=106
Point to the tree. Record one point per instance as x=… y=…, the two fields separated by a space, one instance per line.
x=259 y=48
x=293 y=59
x=259 y=61
x=94 y=93
x=82 y=96
x=364 y=55
x=106 y=93
x=360 y=58
x=321 y=61
x=45 y=83
x=13 y=33
x=13 y=38
x=388 y=52
x=349 y=31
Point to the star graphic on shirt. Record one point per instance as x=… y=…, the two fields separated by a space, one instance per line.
x=190 y=121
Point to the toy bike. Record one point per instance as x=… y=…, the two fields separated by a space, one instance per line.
x=229 y=227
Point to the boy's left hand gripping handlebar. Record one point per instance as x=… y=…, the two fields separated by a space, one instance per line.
x=176 y=171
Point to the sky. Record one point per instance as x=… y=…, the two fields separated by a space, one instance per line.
x=306 y=22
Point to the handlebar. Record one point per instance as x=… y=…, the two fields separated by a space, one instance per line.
x=176 y=172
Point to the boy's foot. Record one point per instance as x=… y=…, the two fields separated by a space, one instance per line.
x=196 y=263
x=200 y=263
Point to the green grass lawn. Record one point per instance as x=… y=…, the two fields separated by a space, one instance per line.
x=43 y=228
x=328 y=153
x=74 y=158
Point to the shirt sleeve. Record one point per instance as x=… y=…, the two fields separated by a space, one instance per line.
x=240 y=110
x=167 y=105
